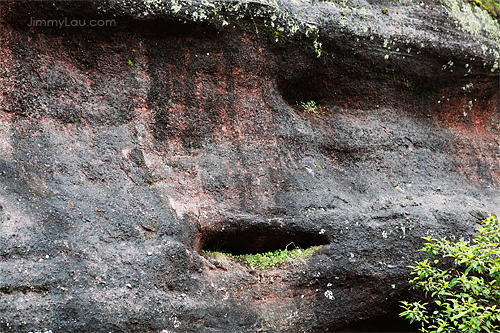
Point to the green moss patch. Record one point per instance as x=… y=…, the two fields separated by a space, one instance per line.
x=267 y=259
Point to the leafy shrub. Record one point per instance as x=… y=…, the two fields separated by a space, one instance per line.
x=461 y=282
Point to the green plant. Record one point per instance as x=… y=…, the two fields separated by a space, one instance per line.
x=130 y=63
x=491 y=6
x=310 y=107
x=414 y=88
x=147 y=177
x=268 y=259
x=271 y=259
x=279 y=38
x=461 y=282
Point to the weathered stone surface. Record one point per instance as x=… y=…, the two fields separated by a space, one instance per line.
x=126 y=150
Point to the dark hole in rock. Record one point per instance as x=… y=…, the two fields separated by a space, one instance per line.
x=258 y=240
x=313 y=86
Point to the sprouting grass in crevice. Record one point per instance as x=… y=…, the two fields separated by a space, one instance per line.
x=268 y=259
x=311 y=107
x=271 y=259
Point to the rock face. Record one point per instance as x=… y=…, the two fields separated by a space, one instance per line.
x=128 y=149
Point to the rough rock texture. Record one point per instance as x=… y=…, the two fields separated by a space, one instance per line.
x=126 y=150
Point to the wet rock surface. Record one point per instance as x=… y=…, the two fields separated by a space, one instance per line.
x=127 y=150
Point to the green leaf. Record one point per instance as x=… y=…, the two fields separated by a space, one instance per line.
x=467 y=292
x=460 y=315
